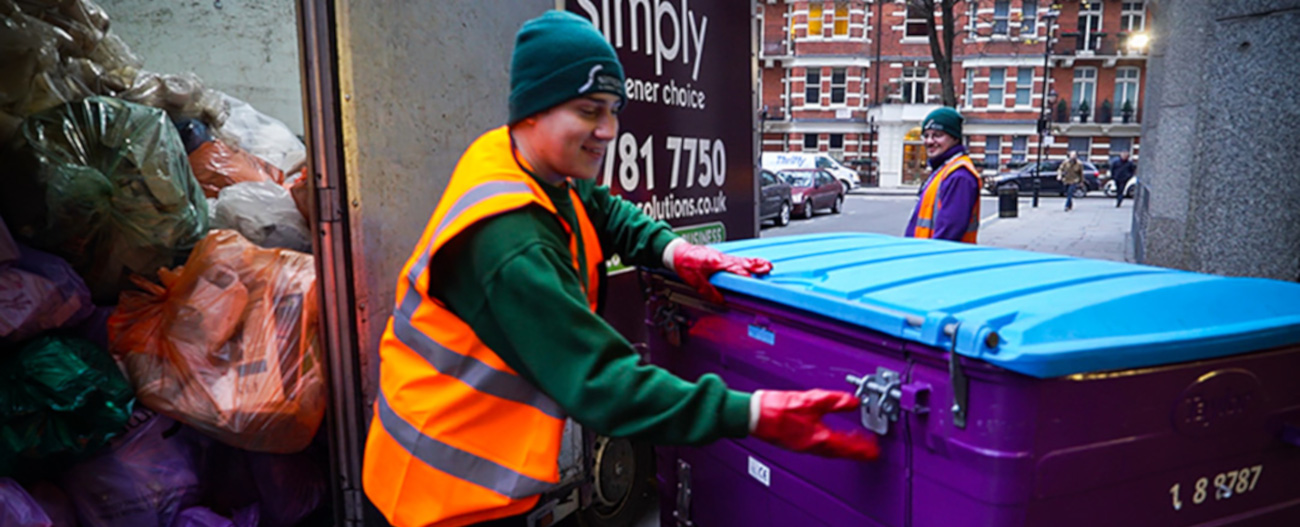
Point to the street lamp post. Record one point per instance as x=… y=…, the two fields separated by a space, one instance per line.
x=1043 y=126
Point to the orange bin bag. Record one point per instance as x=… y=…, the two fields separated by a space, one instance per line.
x=228 y=344
x=218 y=165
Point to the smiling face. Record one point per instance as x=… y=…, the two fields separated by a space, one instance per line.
x=569 y=140
x=937 y=142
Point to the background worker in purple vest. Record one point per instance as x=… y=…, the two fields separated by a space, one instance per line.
x=957 y=195
x=511 y=277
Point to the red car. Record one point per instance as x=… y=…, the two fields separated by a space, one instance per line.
x=813 y=189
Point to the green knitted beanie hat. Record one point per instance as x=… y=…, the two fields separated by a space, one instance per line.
x=944 y=119
x=560 y=56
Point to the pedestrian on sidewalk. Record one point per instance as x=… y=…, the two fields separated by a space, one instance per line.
x=1121 y=170
x=1071 y=175
x=949 y=208
x=496 y=340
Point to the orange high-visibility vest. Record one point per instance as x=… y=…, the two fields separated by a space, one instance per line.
x=930 y=204
x=458 y=436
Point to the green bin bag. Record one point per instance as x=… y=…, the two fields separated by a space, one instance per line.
x=105 y=184
x=60 y=397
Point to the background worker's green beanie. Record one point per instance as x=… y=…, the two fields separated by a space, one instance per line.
x=559 y=56
x=944 y=119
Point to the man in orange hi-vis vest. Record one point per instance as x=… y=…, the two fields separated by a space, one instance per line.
x=495 y=339
x=949 y=208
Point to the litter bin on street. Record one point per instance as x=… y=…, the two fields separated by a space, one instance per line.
x=1002 y=387
x=1008 y=201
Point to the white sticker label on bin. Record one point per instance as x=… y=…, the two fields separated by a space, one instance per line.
x=760 y=472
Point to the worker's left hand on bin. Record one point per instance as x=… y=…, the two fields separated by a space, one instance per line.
x=793 y=420
x=696 y=263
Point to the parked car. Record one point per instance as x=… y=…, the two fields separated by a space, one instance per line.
x=775 y=201
x=1023 y=179
x=791 y=160
x=1130 y=187
x=812 y=189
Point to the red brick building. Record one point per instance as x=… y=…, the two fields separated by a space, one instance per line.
x=854 y=78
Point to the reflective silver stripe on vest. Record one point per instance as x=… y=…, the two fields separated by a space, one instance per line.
x=925 y=223
x=467 y=200
x=458 y=463
x=974 y=225
x=472 y=371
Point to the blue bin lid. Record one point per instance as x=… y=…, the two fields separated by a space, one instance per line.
x=1054 y=315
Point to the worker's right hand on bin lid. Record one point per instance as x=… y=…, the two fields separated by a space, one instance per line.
x=793 y=420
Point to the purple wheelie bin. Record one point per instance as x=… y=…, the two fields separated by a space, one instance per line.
x=1008 y=388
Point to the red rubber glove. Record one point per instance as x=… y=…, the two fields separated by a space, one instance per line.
x=696 y=263
x=793 y=420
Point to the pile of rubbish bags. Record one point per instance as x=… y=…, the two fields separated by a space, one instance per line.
x=160 y=361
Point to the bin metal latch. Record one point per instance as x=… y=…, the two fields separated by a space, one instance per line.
x=880 y=395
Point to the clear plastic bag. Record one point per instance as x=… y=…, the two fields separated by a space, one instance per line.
x=265 y=213
x=228 y=344
x=218 y=165
x=106 y=185
x=261 y=135
x=181 y=95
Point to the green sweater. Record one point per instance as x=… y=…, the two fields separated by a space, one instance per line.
x=511 y=278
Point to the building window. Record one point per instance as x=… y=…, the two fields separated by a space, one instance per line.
x=1082 y=145
x=1132 y=16
x=841 y=19
x=1001 y=17
x=1029 y=18
x=997 y=87
x=1019 y=148
x=1089 y=26
x=810 y=142
x=1126 y=88
x=837 y=145
x=812 y=88
x=839 y=85
x=970 y=88
x=1024 y=85
x=972 y=15
x=915 y=85
x=1120 y=145
x=1085 y=90
x=815 y=19
x=914 y=25
x=992 y=149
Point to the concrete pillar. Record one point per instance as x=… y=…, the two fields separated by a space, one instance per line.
x=1220 y=163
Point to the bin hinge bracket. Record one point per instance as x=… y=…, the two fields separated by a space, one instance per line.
x=956 y=377
x=683 y=512
x=672 y=324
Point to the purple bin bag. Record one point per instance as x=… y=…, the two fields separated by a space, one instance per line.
x=18 y=508
x=56 y=504
x=144 y=479
x=291 y=486
x=204 y=517
x=40 y=292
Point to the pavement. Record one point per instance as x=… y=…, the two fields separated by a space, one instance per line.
x=1094 y=229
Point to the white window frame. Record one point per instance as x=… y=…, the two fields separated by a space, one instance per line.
x=1002 y=22
x=970 y=88
x=997 y=87
x=1085 y=152
x=842 y=86
x=821 y=20
x=972 y=15
x=1126 y=141
x=992 y=152
x=1084 y=89
x=1132 y=76
x=1131 y=12
x=909 y=22
x=811 y=87
x=1024 y=86
x=922 y=79
x=836 y=20
x=1090 y=23
x=1019 y=148
x=1029 y=18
